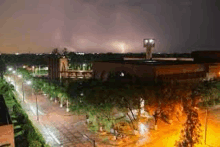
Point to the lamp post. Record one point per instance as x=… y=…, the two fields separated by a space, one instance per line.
x=36 y=107
x=14 y=72
x=23 y=90
x=10 y=69
x=22 y=86
x=149 y=44
x=29 y=83
x=67 y=105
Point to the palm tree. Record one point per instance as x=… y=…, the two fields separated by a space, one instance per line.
x=25 y=74
x=6 y=88
x=50 y=89
x=190 y=135
x=62 y=95
x=2 y=67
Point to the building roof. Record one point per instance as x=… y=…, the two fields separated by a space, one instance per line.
x=206 y=56
x=149 y=62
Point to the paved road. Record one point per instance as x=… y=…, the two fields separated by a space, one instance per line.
x=58 y=127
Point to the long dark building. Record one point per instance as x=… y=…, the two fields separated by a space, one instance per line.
x=155 y=70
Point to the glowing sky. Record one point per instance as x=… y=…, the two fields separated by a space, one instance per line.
x=106 y=25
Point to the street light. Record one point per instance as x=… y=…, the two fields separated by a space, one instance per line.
x=149 y=44
x=14 y=76
x=10 y=69
x=23 y=90
x=67 y=105
x=29 y=83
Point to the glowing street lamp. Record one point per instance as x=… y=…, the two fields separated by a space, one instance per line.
x=67 y=105
x=14 y=76
x=23 y=90
x=81 y=94
x=29 y=82
x=10 y=69
x=149 y=44
x=36 y=101
x=84 y=66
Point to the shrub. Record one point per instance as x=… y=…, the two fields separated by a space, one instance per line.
x=46 y=145
x=35 y=143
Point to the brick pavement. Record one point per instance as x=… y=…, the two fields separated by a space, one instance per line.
x=58 y=127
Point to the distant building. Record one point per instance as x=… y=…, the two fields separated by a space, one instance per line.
x=206 y=56
x=55 y=66
x=162 y=69
x=58 y=68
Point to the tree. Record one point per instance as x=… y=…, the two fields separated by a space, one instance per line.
x=209 y=92
x=64 y=52
x=6 y=89
x=190 y=135
x=62 y=95
x=2 y=66
x=55 y=51
x=35 y=143
x=25 y=74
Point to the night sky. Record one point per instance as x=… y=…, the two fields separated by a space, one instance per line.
x=107 y=25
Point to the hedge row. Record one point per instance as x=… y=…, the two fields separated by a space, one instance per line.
x=30 y=135
x=26 y=135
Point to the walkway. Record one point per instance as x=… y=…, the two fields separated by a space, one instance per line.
x=58 y=127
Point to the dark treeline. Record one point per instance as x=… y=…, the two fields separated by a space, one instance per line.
x=42 y=59
x=27 y=59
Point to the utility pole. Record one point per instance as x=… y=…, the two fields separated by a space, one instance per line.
x=206 y=120
x=14 y=80
x=67 y=106
x=37 y=109
x=15 y=74
x=36 y=104
x=23 y=90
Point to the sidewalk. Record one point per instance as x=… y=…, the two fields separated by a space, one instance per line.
x=58 y=127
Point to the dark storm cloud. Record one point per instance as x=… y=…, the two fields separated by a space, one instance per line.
x=103 y=25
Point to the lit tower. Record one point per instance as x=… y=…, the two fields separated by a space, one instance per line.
x=58 y=67
x=149 y=44
x=63 y=66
